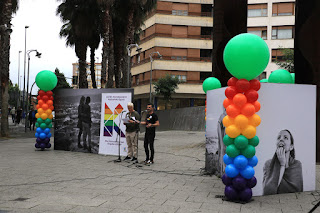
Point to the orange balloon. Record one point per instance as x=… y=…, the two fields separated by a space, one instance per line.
x=37 y=115
x=50 y=116
x=241 y=121
x=257 y=105
x=51 y=107
x=38 y=106
x=239 y=100
x=45 y=106
x=232 y=131
x=44 y=116
x=249 y=132
x=255 y=120
x=40 y=111
x=50 y=103
x=248 y=110
x=227 y=121
x=40 y=102
x=48 y=111
x=233 y=111
x=227 y=102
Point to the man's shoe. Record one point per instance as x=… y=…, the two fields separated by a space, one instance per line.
x=133 y=159
x=127 y=158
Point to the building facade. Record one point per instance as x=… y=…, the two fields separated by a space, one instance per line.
x=75 y=75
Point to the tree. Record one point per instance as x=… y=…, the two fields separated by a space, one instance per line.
x=166 y=86
x=7 y=8
x=62 y=82
x=14 y=93
x=288 y=60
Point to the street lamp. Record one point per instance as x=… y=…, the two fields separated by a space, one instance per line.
x=151 y=60
x=129 y=47
x=24 y=68
x=19 y=78
x=27 y=105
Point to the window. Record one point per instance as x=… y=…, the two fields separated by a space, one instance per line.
x=277 y=55
x=138 y=58
x=180 y=12
x=179 y=58
x=259 y=31
x=74 y=79
x=137 y=80
x=262 y=76
x=283 y=9
x=182 y=78
x=257 y=10
x=282 y=32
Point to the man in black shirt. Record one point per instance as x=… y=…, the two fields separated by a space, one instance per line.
x=151 y=123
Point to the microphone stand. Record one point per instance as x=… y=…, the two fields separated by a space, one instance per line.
x=119 y=158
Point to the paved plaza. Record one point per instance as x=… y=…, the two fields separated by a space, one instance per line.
x=60 y=181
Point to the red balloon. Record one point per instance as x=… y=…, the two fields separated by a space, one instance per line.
x=242 y=85
x=255 y=84
x=39 y=97
x=41 y=92
x=38 y=106
x=49 y=93
x=233 y=111
x=45 y=107
x=45 y=98
x=40 y=102
x=51 y=98
x=227 y=102
x=51 y=107
x=251 y=95
x=231 y=92
x=232 y=81
x=50 y=103
x=257 y=105
x=248 y=110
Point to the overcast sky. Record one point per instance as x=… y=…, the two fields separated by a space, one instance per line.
x=43 y=35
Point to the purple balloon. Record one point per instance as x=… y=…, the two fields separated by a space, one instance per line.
x=38 y=140
x=252 y=182
x=245 y=195
x=42 y=145
x=37 y=145
x=239 y=183
x=226 y=180
x=48 y=145
x=46 y=140
x=231 y=193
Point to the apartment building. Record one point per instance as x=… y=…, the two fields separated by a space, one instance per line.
x=75 y=75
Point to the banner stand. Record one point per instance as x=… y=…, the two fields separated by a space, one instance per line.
x=118 y=136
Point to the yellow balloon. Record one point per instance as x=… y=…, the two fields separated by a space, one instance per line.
x=40 y=111
x=241 y=121
x=37 y=115
x=50 y=116
x=255 y=120
x=227 y=121
x=232 y=131
x=249 y=132
x=44 y=116
x=48 y=111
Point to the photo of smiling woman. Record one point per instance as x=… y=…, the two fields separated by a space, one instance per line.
x=283 y=173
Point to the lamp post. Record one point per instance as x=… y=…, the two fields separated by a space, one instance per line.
x=27 y=105
x=129 y=47
x=151 y=60
x=24 y=69
x=18 y=104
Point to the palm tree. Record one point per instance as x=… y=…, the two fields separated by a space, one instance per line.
x=79 y=18
x=7 y=8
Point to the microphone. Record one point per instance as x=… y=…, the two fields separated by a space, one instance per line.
x=123 y=111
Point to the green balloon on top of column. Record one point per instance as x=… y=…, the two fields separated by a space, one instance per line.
x=46 y=80
x=246 y=56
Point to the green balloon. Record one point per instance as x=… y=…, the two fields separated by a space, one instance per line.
x=48 y=121
x=241 y=142
x=246 y=56
x=40 y=121
x=280 y=76
x=50 y=126
x=254 y=141
x=232 y=151
x=293 y=75
x=210 y=84
x=37 y=125
x=248 y=152
x=264 y=80
x=46 y=80
x=43 y=125
x=227 y=140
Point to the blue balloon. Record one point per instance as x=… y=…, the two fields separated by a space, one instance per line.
x=36 y=135
x=247 y=172
x=43 y=135
x=253 y=161
x=49 y=135
x=231 y=171
x=39 y=130
x=240 y=162
x=227 y=160
x=47 y=131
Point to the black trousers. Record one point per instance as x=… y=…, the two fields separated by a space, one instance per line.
x=149 y=141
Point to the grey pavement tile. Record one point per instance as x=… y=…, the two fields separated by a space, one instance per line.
x=121 y=205
x=228 y=207
x=123 y=211
x=19 y=204
x=188 y=210
x=157 y=208
x=195 y=198
x=86 y=209
x=191 y=205
x=53 y=208
x=114 y=198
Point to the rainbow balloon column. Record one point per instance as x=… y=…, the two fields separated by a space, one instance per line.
x=46 y=81
x=245 y=57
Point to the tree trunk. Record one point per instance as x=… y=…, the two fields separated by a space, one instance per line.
x=111 y=63
x=229 y=20
x=92 y=66
x=118 y=53
x=81 y=50
x=307 y=51
x=5 y=62
x=107 y=26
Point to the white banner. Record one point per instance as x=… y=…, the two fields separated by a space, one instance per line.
x=112 y=129
x=287 y=110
